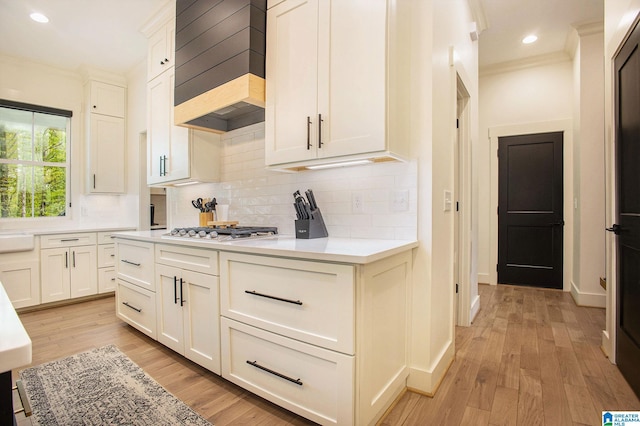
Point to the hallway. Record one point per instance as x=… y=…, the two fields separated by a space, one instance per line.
x=531 y=357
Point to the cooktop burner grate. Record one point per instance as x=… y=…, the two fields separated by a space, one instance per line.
x=237 y=232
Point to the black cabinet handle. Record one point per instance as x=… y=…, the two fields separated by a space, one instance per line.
x=94 y=181
x=181 y=294
x=295 y=302
x=275 y=373
x=74 y=259
x=69 y=240
x=320 y=130
x=129 y=262
x=175 y=290
x=132 y=307
x=66 y=260
x=308 y=133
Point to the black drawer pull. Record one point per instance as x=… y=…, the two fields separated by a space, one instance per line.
x=132 y=307
x=69 y=240
x=129 y=262
x=295 y=302
x=275 y=373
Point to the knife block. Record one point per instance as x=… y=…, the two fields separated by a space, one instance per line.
x=311 y=228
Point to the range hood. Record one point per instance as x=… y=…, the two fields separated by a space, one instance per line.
x=220 y=64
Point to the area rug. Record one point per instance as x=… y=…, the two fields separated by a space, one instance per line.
x=101 y=387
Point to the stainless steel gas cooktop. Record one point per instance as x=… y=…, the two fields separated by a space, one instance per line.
x=223 y=234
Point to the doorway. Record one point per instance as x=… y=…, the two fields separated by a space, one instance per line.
x=627 y=228
x=530 y=210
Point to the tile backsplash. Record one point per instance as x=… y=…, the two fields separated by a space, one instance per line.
x=258 y=196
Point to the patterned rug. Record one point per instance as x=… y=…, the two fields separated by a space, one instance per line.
x=101 y=387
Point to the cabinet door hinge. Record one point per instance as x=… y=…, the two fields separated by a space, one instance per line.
x=457 y=206
x=456 y=288
x=496 y=267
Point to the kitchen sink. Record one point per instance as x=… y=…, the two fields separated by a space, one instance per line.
x=16 y=242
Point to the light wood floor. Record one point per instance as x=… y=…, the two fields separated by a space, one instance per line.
x=531 y=357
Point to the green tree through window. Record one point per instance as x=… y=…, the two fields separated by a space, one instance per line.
x=34 y=166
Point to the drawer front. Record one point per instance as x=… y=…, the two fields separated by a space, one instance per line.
x=134 y=262
x=313 y=382
x=192 y=259
x=68 y=240
x=106 y=279
x=308 y=301
x=106 y=255
x=137 y=307
x=105 y=237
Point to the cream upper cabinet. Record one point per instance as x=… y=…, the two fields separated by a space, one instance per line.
x=161 y=50
x=327 y=80
x=106 y=138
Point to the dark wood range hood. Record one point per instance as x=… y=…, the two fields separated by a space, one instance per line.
x=220 y=63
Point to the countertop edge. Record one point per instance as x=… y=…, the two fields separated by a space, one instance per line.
x=397 y=246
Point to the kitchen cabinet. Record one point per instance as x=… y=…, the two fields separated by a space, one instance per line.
x=176 y=154
x=135 y=285
x=161 y=49
x=333 y=75
x=20 y=276
x=106 y=263
x=106 y=138
x=325 y=340
x=187 y=303
x=68 y=266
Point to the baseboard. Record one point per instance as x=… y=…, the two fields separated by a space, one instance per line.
x=426 y=382
x=588 y=299
x=483 y=278
x=475 y=308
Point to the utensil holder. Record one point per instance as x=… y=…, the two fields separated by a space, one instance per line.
x=311 y=228
x=205 y=217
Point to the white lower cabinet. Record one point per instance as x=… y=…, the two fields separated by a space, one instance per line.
x=187 y=304
x=314 y=382
x=21 y=279
x=325 y=340
x=68 y=273
x=187 y=308
x=137 y=307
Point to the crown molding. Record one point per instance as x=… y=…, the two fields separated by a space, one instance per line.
x=519 y=64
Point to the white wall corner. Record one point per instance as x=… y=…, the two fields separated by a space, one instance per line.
x=427 y=381
x=593 y=300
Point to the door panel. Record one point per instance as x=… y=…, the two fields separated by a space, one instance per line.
x=627 y=94
x=530 y=212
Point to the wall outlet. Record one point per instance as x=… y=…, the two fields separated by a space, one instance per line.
x=400 y=201
x=357 y=204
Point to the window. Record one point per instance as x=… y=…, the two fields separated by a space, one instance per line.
x=34 y=160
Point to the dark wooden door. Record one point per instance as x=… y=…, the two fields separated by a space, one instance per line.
x=530 y=212
x=627 y=94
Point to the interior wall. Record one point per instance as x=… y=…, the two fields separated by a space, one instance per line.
x=440 y=29
x=537 y=94
x=30 y=82
x=589 y=179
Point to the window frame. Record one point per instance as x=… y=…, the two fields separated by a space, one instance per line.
x=32 y=108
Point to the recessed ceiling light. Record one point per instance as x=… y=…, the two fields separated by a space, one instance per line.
x=529 y=39
x=39 y=17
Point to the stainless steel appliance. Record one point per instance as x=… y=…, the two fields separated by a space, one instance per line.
x=223 y=234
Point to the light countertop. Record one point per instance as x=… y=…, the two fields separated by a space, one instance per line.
x=344 y=250
x=15 y=343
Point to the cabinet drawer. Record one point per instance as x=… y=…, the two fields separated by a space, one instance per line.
x=68 y=240
x=318 y=383
x=134 y=261
x=192 y=259
x=106 y=280
x=308 y=301
x=137 y=307
x=106 y=255
x=105 y=237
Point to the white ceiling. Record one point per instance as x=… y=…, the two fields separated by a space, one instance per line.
x=105 y=34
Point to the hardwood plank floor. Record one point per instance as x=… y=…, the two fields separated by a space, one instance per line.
x=531 y=357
